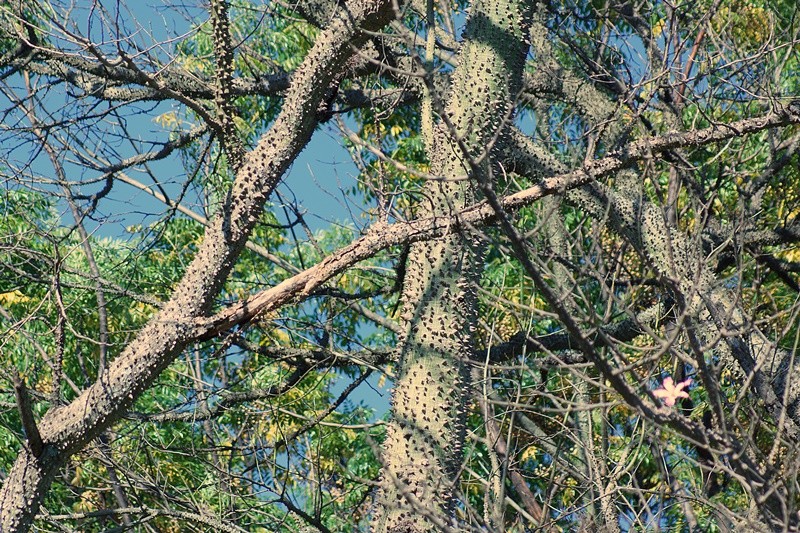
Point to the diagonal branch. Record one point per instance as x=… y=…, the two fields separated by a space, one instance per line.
x=69 y=428
x=382 y=236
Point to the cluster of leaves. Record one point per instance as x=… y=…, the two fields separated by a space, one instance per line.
x=255 y=462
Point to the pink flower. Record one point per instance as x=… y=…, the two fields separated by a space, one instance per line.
x=671 y=392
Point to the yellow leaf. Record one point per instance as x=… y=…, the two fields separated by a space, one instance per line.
x=13 y=297
x=167 y=120
x=528 y=453
x=792 y=255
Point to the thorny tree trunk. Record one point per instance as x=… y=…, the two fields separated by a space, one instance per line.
x=67 y=429
x=423 y=450
x=674 y=255
x=422 y=454
x=680 y=261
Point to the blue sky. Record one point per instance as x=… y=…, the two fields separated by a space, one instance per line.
x=316 y=179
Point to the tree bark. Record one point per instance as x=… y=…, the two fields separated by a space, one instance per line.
x=422 y=453
x=67 y=429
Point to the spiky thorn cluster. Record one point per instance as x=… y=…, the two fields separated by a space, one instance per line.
x=423 y=451
x=223 y=97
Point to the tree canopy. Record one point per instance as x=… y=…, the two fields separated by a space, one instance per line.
x=569 y=246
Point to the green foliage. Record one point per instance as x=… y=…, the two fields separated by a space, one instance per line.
x=245 y=427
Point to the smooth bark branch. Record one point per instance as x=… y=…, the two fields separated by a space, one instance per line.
x=381 y=236
x=123 y=84
x=497 y=440
x=623 y=331
x=67 y=429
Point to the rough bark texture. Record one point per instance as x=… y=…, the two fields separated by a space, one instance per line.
x=681 y=262
x=67 y=429
x=676 y=257
x=422 y=453
x=527 y=158
x=425 y=441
